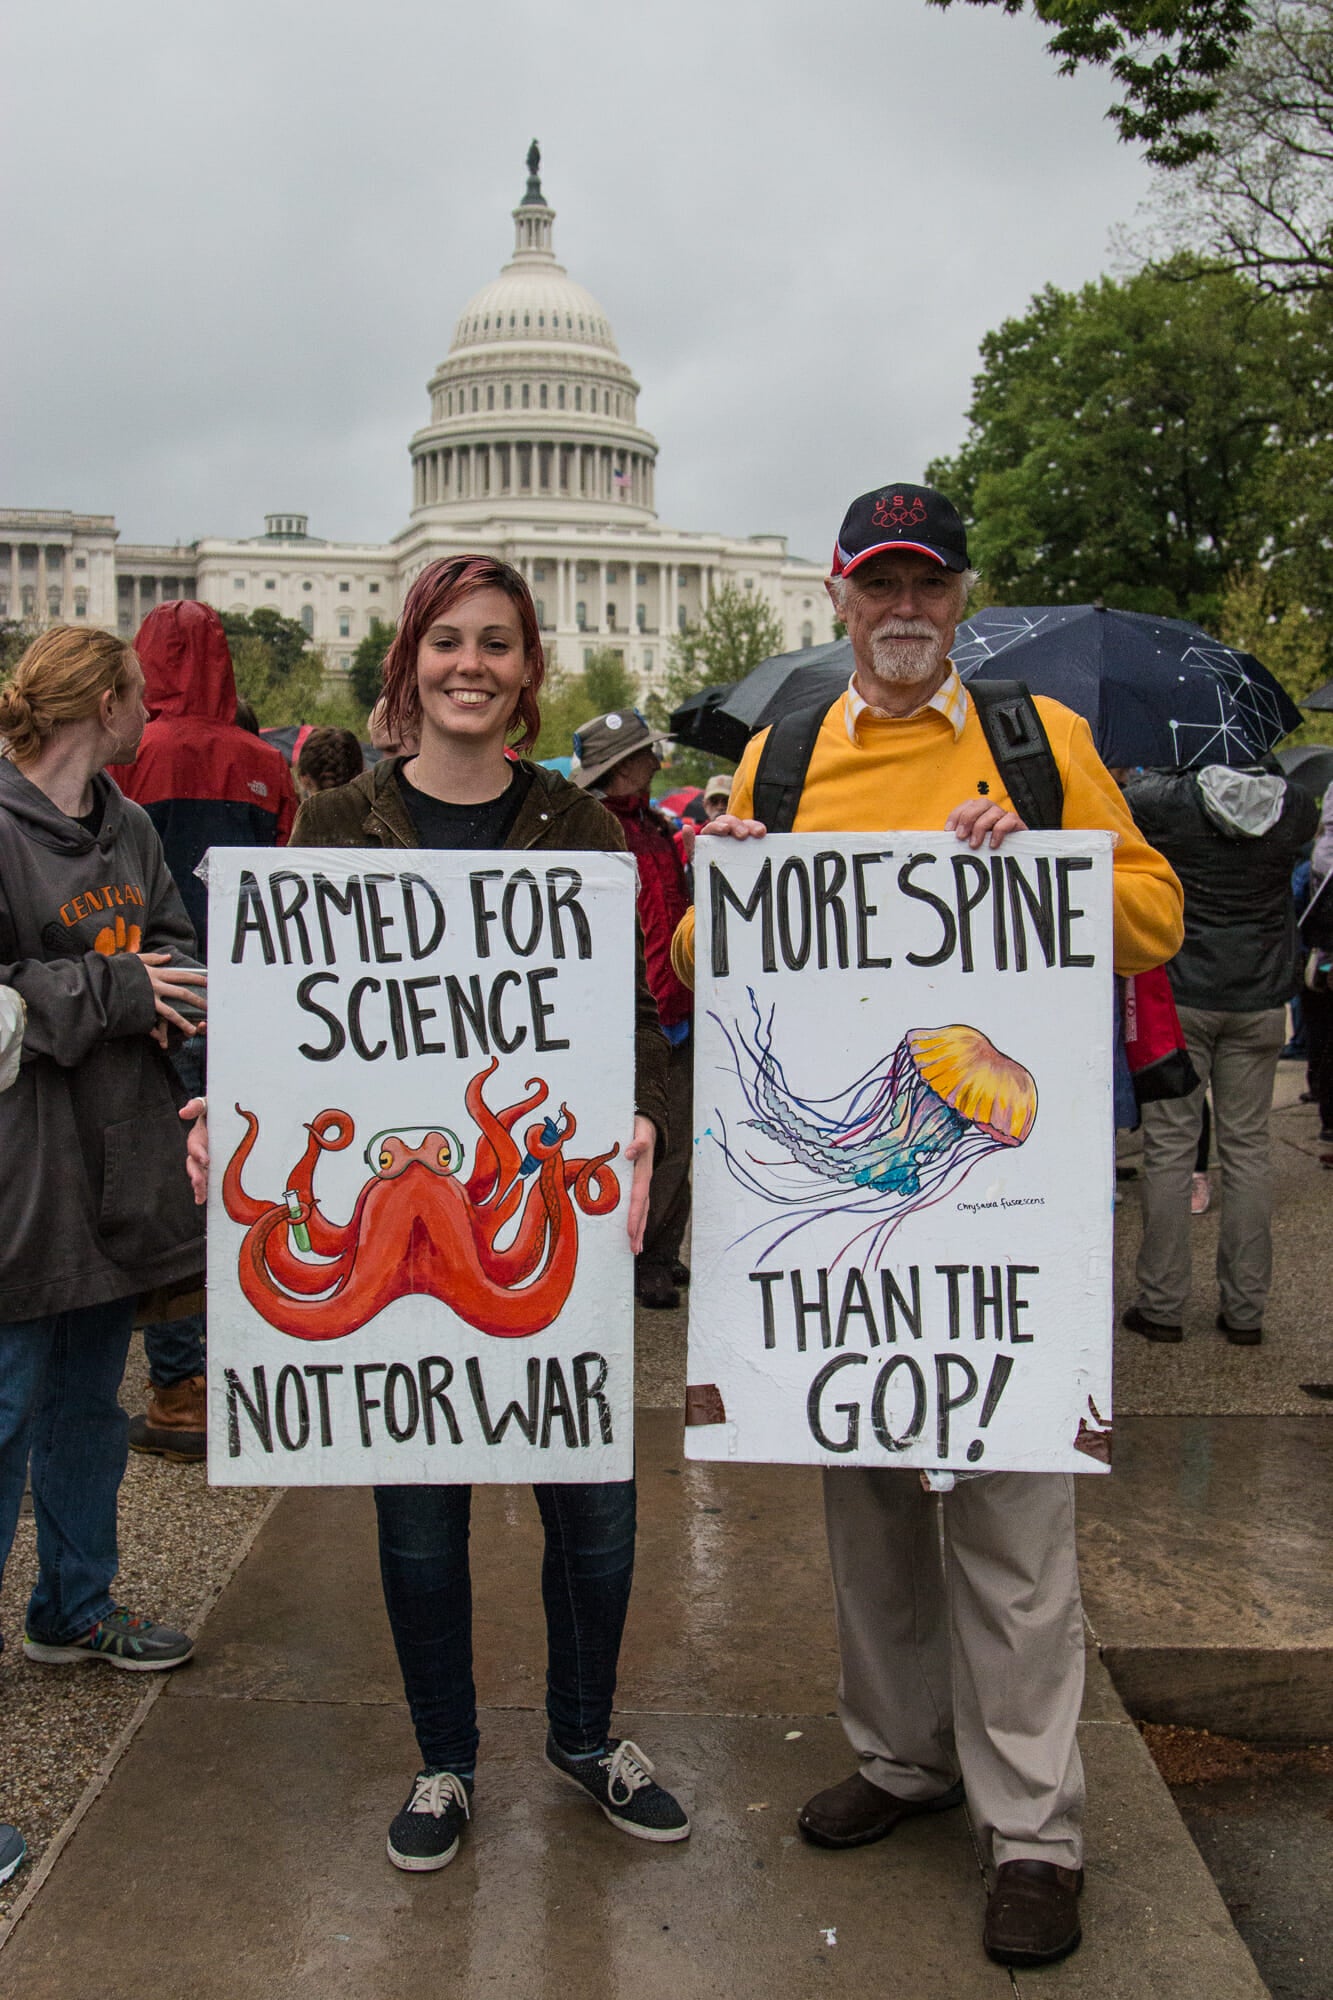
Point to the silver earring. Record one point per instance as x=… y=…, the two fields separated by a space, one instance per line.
x=527 y=680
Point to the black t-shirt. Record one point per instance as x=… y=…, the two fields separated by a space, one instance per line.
x=92 y=821
x=439 y=823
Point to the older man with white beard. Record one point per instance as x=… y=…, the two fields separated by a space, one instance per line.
x=960 y=1630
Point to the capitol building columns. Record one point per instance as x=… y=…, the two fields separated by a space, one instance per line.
x=532 y=451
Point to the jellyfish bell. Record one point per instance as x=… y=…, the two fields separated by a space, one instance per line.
x=390 y=1153
x=980 y=1084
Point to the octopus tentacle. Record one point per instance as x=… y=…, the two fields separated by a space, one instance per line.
x=423 y=1230
x=327 y=1239
x=596 y=1188
x=240 y=1206
x=497 y=1158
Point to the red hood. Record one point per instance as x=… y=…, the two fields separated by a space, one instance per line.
x=182 y=649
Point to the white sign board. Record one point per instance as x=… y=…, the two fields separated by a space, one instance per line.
x=904 y=1153
x=421 y=1084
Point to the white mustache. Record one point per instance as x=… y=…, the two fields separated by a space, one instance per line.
x=904 y=628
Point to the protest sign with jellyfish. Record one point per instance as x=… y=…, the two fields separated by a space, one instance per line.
x=897 y=1139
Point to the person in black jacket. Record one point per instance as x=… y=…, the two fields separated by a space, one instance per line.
x=1232 y=837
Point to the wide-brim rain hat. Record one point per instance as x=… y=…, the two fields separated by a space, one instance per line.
x=608 y=740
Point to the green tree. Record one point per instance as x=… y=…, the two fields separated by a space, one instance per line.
x=285 y=638
x=608 y=681
x=16 y=635
x=1262 y=202
x=284 y=677
x=738 y=630
x=569 y=700
x=366 y=676
x=1125 y=440
x=1260 y=617
x=1167 y=55
x=277 y=697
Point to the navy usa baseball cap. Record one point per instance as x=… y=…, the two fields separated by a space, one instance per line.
x=900 y=517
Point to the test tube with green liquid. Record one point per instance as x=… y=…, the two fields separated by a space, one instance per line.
x=300 y=1234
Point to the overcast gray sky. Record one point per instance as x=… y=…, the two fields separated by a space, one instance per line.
x=238 y=237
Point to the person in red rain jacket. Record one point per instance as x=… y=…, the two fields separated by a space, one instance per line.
x=204 y=782
x=615 y=758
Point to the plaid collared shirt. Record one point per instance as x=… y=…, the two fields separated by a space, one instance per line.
x=949 y=700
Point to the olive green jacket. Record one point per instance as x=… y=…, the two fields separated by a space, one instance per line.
x=555 y=814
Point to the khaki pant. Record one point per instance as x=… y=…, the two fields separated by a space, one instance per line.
x=967 y=1659
x=1237 y=1054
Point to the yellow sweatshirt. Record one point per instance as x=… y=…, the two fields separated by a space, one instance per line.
x=907 y=774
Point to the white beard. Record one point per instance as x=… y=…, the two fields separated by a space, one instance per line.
x=901 y=665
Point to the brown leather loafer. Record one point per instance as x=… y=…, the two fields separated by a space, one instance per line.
x=1032 y=1914
x=856 y=1812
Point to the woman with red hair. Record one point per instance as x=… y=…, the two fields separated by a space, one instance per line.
x=461 y=682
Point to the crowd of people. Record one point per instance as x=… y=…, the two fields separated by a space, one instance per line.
x=958 y=1612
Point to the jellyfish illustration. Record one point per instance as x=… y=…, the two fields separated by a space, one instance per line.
x=898 y=1139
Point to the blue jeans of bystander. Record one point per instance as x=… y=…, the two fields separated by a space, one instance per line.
x=59 y=1383
x=586 y=1575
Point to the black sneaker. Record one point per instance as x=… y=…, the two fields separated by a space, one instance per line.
x=426 y=1833
x=621 y=1783
x=121 y=1639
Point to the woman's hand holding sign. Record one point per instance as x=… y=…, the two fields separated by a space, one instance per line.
x=196 y=1147
x=640 y=1152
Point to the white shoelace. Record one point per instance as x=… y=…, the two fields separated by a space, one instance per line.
x=433 y=1794
x=628 y=1768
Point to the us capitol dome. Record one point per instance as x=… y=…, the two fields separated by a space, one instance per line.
x=532 y=451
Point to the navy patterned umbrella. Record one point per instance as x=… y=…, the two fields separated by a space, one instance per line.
x=1154 y=691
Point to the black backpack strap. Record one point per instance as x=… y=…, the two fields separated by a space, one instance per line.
x=783 y=761
x=1021 y=748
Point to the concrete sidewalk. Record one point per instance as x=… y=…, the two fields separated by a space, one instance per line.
x=237 y=1852
x=238 y=1846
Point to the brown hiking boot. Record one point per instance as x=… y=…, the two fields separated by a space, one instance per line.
x=175 y=1424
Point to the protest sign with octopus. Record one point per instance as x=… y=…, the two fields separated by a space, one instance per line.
x=903 y=1160
x=420 y=1073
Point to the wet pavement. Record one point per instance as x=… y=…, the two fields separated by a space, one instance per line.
x=239 y=1849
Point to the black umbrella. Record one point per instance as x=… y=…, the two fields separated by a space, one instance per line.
x=697 y=724
x=1322 y=698
x=1309 y=765
x=722 y=720
x=1155 y=691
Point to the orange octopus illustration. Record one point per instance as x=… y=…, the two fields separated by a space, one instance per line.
x=418 y=1228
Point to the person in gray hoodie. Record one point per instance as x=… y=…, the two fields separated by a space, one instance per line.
x=95 y=1206
x=1232 y=837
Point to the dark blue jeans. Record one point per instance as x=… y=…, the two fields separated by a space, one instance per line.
x=586 y=1574
x=59 y=1384
x=175 y=1347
